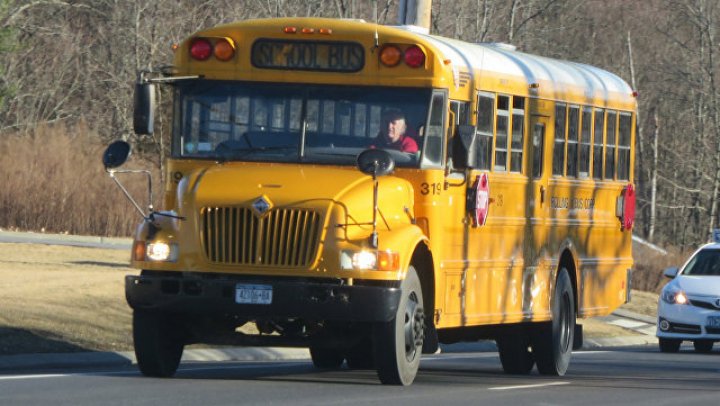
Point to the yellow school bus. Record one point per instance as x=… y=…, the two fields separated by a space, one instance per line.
x=284 y=209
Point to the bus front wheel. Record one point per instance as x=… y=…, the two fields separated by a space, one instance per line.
x=552 y=342
x=158 y=343
x=397 y=344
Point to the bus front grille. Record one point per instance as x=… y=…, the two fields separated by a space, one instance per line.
x=281 y=238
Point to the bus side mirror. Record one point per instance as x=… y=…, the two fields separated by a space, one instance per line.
x=375 y=162
x=144 y=110
x=463 y=147
x=116 y=154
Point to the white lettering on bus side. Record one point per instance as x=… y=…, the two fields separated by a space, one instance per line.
x=572 y=203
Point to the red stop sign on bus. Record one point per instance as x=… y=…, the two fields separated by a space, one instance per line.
x=478 y=200
x=628 y=209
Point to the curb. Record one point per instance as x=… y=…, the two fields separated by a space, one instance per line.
x=595 y=343
x=635 y=316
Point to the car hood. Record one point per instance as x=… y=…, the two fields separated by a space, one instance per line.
x=699 y=285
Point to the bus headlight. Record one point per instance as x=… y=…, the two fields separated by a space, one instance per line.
x=370 y=260
x=161 y=251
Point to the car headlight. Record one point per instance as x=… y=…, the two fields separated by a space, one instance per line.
x=674 y=297
x=155 y=251
x=369 y=260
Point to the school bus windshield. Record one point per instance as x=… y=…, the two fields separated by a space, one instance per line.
x=227 y=121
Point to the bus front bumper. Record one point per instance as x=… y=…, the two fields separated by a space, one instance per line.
x=290 y=298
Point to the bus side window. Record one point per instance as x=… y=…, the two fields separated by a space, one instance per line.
x=585 y=142
x=623 y=163
x=598 y=143
x=503 y=127
x=485 y=116
x=518 y=129
x=572 y=142
x=610 y=140
x=559 y=145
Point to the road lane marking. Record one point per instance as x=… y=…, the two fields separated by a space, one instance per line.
x=13 y=377
x=538 y=385
x=189 y=368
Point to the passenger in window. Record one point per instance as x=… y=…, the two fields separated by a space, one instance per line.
x=393 y=133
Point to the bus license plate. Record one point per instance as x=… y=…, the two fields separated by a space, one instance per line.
x=253 y=294
x=713 y=321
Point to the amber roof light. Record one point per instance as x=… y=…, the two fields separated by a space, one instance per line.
x=224 y=49
x=390 y=55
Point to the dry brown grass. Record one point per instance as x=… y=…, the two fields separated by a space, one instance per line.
x=53 y=180
x=649 y=266
x=57 y=298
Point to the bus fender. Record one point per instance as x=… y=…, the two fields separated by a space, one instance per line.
x=402 y=239
x=567 y=255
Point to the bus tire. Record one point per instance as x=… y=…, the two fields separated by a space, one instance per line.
x=669 y=344
x=515 y=355
x=552 y=342
x=397 y=344
x=158 y=343
x=326 y=358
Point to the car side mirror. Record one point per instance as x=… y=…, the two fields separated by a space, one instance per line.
x=463 y=147
x=671 y=272
x=116 y=154
x=144 y=109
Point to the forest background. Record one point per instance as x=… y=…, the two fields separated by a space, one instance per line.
x=67 y=70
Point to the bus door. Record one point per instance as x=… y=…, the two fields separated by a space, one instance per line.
x=536 y=271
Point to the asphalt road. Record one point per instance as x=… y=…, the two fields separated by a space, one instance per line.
x=629 y=376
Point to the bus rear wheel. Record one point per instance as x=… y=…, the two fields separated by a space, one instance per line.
x=397 y=344
x=515 y=355
x=552 y=342
x=158 y=342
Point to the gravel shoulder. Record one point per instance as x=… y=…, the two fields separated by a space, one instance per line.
x=71 y=299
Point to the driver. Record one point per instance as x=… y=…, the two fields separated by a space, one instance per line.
x=393 y=133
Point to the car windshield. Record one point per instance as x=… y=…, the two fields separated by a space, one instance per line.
x=228 y=121
x=705 y=263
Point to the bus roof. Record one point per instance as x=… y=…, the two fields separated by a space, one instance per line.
x=551 y=76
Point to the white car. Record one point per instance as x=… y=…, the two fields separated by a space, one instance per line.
x=689 y=305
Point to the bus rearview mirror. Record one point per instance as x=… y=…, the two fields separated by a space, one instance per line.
x=116 y=154
x=144 y=110
x=463 y=147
